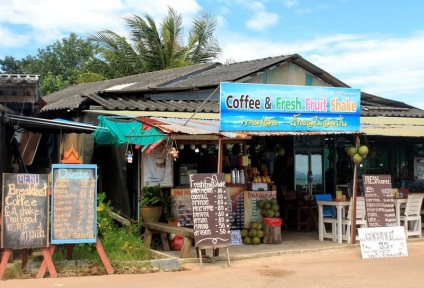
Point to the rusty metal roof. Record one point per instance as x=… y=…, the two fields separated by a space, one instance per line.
x=211 y=127
x=392 y=126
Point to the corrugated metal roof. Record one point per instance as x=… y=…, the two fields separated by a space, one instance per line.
x=48 y=125
x=180 y=115
x=183 y=78
x=146 y=82
x=392 y=126
x=18 y=78
x=176 y=90
x=211 y=127
x=188 y=126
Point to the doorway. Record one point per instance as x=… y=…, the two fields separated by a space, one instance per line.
x=309 y=170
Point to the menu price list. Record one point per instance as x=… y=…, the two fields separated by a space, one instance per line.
x=74 y=206
x=379 y=202
x=181 y=205
x=210 y=206
x=24 y=211
x=237 y=214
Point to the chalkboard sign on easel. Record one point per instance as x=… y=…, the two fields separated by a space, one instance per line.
x=74 y=203
x=209 y=201
x=25 y=210
x=379 y=202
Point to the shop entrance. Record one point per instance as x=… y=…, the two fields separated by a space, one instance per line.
x=309 y=170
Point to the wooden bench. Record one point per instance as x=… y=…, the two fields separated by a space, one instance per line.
x=163 y=229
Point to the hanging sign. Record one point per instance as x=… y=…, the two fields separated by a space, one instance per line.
x=265 y=107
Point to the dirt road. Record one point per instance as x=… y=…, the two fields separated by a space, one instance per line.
x=332 y=268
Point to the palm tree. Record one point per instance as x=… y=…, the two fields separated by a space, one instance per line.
x=155 y=48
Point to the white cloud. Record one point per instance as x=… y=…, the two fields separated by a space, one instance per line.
x=262 y=20
x=42 y=23
x=388 y=67
x=290 y=3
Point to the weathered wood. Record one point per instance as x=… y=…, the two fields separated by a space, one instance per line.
x=272 y=234
x=47 y=263
x=163 y=229
x=103 y=257
x=4 y=260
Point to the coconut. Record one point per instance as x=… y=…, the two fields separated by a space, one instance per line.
x=363 y=151
x=256 y=240
x=351 y=151
x=357 y=158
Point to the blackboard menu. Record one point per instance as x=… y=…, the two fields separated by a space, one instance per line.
x=25 y=210
x=210 y=204
x=379 y=203
x=237 y=207
x=74 y=203
x=181 y=204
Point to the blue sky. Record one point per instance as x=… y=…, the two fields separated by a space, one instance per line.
x=373 y=45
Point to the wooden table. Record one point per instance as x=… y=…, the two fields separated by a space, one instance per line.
x=340 y=206
x=398 y=204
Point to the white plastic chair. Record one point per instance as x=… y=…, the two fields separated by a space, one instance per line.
x=411 y=217
x=361 y=221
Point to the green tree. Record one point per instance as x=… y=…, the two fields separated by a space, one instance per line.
x=59 y=65
x=10 y=65
x=153 y=48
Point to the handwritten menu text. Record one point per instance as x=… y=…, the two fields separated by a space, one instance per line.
x=25 y=211
x=74 y=202
x=210 y=204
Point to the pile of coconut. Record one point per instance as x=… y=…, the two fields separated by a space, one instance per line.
x=357 y=154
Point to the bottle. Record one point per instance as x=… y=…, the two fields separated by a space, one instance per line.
x=237 y=176
x=242 y=178
x=233 y=176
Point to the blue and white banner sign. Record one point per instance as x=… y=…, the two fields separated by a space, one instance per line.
x=281 y=108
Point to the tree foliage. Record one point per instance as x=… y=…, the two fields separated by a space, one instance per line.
x=59 y=65
x=153 y=48
x=108 y=55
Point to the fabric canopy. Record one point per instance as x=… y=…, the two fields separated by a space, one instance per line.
x=120 y=131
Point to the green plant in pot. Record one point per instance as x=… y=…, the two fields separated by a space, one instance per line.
x=151 y=205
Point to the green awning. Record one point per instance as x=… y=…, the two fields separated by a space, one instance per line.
x=125 y=130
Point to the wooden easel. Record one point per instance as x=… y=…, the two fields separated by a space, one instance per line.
x=45 y=264
x=215 y=251
x=47 y=260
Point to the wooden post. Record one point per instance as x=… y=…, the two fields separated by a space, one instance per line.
x=353 y=226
